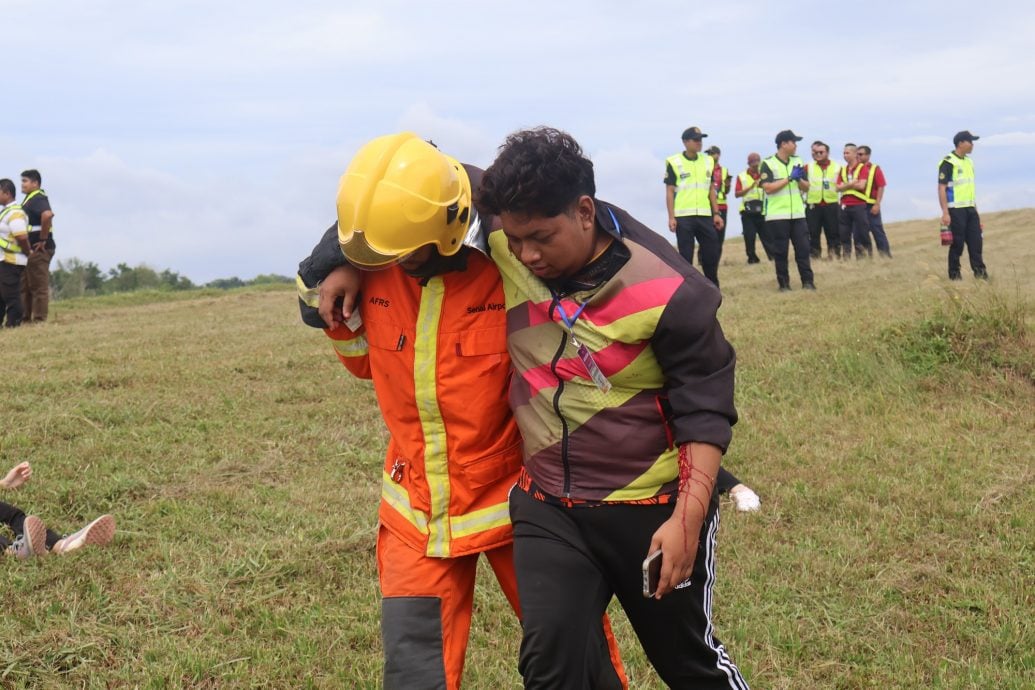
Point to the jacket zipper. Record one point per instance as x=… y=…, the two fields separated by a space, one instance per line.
x=557 y=407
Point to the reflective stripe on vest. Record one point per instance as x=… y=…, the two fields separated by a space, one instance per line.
x=785 y=204
x=9 y=247
x=720 y=186
x=35 y=192
x=756 y=193
x=693 y=184
x=959 y=191
x=853 y=175
x=823 y=183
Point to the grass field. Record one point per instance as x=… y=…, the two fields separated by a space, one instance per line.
x=887 y=420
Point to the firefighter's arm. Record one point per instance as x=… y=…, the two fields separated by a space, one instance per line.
x=313 y=271
x=351 y=348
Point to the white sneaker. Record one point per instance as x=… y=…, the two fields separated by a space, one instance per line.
x=33 y=540
x=98 y=533
x=746 y=500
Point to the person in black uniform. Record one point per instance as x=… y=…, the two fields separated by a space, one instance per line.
x=36 y=278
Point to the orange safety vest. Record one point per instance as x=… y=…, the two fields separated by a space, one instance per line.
x=438 y=358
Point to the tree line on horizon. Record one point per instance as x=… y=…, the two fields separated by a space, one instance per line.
x=78 y=278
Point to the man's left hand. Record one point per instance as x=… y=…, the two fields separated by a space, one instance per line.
x=679 y=549
x=875 y=210
x=719 y=224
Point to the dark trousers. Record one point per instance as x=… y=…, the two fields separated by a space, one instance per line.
x=880 y=238
x=701 y=228
x=11 y=294
x=13 y=517
x=721 y=234
x=36 y=285
x=966 y=229
x=571 y=561
x=824 y=219
x=855 y=229
x=754 y=226
x=790 y=232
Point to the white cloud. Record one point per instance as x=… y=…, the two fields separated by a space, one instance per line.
x=1008 y=139
x=918 y=140
x=461 y=140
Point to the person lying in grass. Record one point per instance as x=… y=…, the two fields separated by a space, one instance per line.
x=32 y=538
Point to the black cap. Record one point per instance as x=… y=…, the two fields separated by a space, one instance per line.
x=694 y=133
x=964 y=136
x=713 y=149
x=786 y=135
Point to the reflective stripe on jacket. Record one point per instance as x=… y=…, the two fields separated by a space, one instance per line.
x=580 y=442
x=438 y=359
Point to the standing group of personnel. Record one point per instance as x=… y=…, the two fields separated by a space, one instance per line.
x=788 y=203
x=26 y=250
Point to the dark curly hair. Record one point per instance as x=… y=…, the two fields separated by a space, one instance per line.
x=538 y=172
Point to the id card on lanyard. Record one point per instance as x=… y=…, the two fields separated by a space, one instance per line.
x=585 y=356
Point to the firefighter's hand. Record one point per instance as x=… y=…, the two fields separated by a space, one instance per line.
x=719 y=223
x=671 y=224
x=679 y=546
x=946 y=219
x=875 y=210
x=18 y=475
x=342 y=283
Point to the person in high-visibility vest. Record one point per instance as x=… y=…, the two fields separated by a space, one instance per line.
x=784 y=180
x=431 y=334
x=822 y=211
x=693 y=208
x=36 y=278
x=14 y=254
x=752 y=207
x=721 y=181
x=873 y=205
x=855 y=184
x=958 y=202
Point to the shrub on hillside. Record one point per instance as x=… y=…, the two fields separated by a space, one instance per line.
x=985 y=333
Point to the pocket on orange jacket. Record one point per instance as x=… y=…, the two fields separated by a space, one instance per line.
x=488 y=469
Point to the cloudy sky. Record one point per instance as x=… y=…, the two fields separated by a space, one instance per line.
x=208 y=138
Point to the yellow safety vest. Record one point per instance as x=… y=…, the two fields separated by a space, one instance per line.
x=720 y=194
x=693 y=183
x=785 y=204
x=756 y=193
x=865 y=195
x=823 y=183
x=959 y=190
x=10 y=251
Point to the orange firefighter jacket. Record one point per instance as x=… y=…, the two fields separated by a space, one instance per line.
x=438 y=358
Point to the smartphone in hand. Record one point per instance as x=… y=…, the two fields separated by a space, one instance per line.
x=651 y=574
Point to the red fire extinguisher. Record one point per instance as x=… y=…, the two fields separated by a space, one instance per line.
x=946 y=236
